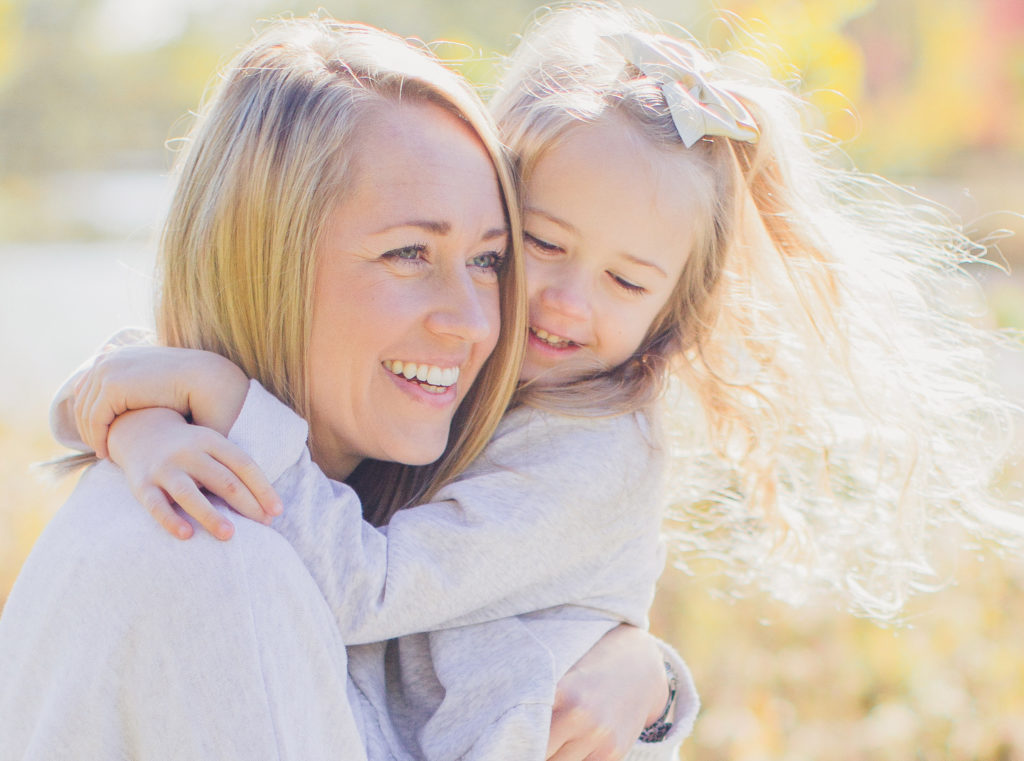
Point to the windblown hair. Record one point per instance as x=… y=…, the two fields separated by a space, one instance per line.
x=269 y=157
x=831 y=406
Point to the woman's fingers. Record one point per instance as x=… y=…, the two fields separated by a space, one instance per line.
x=159 y=506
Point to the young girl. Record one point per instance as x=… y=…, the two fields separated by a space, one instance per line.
x=829 y=408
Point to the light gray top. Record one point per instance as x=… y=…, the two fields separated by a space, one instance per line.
x=547 y=541
x=509 y=590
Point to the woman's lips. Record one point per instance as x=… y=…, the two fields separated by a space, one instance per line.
x=426 y=382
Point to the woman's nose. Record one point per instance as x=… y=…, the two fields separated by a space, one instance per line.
x=465 y=311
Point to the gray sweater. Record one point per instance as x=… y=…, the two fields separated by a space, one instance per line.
x=119 y=641
x=479 y=602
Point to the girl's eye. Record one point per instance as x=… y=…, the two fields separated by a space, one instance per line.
x=491 y=260
x=405 y=253
x=541 y=244
x=626 y=284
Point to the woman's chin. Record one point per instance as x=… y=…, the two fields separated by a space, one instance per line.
x=419 y=448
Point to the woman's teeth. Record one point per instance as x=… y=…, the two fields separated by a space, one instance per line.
x=550 y=339
x=430 y=377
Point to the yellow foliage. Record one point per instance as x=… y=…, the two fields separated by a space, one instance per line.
x=10 y=32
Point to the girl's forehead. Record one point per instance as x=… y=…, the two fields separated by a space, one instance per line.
x=610 y=194
x=611 y=163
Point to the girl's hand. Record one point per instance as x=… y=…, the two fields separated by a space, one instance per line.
x=606 y=699
x=202 y=384
x=168 y=462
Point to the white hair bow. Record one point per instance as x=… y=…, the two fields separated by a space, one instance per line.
x=698 y=107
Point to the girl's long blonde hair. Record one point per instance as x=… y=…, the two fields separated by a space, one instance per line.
x=831 y=402
x=267 y=160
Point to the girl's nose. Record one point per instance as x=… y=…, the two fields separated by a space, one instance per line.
x=568 y=296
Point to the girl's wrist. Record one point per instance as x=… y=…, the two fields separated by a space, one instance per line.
x=656 y=729
x=217 y=391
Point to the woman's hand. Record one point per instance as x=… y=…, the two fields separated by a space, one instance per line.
x=167 y=462
x=606 y=699
x=202 y=384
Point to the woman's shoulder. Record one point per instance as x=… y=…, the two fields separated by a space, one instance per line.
x=103 y=537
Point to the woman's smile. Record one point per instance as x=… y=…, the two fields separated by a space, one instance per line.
x=406 y=308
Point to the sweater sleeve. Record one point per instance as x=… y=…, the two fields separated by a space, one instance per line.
x=62 y=412
x=682 y=714
x=556 y=510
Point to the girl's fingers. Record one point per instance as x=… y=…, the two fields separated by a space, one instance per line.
x=563 y=729
x=83 y=403
x=570 y=751
x=245 y=469
x=94 y=412
x=97 y=425
x=183 y=490
x=220 y=480
x=156 y=502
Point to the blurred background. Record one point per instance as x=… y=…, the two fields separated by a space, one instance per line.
x=928 y=94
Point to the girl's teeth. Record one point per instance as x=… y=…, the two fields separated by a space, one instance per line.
x=548 y=338
x=431 y=376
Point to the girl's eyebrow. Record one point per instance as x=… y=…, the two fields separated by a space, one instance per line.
x=642 y=262
x=568 y=226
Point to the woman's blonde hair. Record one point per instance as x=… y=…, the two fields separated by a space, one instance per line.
x=832 y=401
x=269 y=157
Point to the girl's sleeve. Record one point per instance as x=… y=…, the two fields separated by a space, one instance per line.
x=556 y=510
x=62 y=413
x=682 y=714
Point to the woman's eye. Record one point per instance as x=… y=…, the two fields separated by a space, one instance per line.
x=626 y=284
x=405 y=253
x=492 y=260
x=541 y=244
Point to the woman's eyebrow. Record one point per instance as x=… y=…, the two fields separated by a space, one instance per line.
x=430 y=225
x=494 y=233
x=442 y=228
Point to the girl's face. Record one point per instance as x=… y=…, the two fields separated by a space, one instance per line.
x=609 y=223
x=406 y=306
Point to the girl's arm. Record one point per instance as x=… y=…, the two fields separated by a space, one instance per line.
x=618 y=688
x=555 y=510
x=168 y=462
x=584 y=704
x=131 y=374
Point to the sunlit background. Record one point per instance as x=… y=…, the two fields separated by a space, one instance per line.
x=928 y=93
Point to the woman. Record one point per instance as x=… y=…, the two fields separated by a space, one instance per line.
x=328 y=159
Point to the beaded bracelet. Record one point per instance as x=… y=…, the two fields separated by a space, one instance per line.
x=656 y=732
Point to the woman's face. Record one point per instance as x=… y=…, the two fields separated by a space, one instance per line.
x=406 y=306
x=609 y=224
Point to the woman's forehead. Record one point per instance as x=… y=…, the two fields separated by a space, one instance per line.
x=417 y=162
